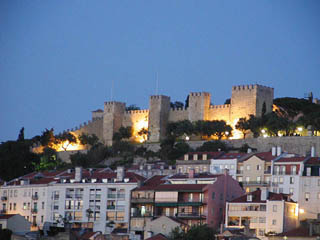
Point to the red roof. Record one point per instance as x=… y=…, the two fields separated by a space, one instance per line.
x=291 y=159
x=159 y=236
x=313 y=160
x=7 y=216
x=256 y=197
x=180 y=187
x=232 y=156
x=301 y=231
x=152 y=182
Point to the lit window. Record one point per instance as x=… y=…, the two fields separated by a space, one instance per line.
x=307 y=196
x=291 y=190
x=281 y=180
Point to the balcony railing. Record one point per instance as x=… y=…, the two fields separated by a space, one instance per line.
x=191 y=215
x=4 y=198
x=111 y=195
x=267 y=172
x=34 y=210
x=55 y=197
x=141 y=200
x=138 y=214
x=120 y=195
x=78 y=195
x=256 y=183
x=35 y=197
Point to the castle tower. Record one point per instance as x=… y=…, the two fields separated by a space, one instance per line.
x=112 y=119
x=159 y=107
x=199 y=103
x=249 y=99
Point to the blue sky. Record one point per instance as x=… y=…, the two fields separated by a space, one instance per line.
x=58 y=59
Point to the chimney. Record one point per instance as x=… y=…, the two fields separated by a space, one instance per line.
x=191 y=173
x=264 y=194
x=274 y=151
x=78 y=174
x=313 y=152
x=120 y=174
x=278 y=151
x=249 y=150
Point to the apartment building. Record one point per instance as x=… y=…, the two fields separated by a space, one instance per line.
x=152 y=169
x=199 y=161
x=95 y=198
x=262 y=212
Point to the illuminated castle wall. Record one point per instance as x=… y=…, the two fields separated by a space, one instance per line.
x=245 y=100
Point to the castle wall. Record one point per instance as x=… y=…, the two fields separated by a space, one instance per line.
x=178 y=114
x=91 y=127
x=199 y=103
x=219 y=112
x=264 y=94
x=137 y=119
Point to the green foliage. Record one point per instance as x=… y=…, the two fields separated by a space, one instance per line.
x=170 y=150
x=180 y=128
x=16 y=159
x=63 y=138
x=203 y=232
x=5 y=234
x=228 y=101
x=132 y=107
x=213 y=146
x=21 y=134
x=176 y=104
x=48 y=160
x=123 y=133
x=86 y=139
x=218 y=128
x=244 y=148
x=293 y=106
x=243 y=125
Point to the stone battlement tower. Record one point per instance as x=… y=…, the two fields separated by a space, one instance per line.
x=245 y=100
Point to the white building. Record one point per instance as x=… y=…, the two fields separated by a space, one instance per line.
x=226 y=161
x=263 y=212
x=97 y=199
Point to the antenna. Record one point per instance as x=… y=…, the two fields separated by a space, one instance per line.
x=111 y=93
x=157 y=83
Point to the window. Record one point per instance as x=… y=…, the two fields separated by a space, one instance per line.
x=293 y=170
x=291 y=190
x=167 y=211
x=258 y=167
x=274 y=208
x=291 y=180
x=262 y=219
x=280 y=190
x=42 y=205
x=259 y=179
x=190 y=197
x=280 y=179
x=28 y=206
x=14 y=206
x=240 y=179
x=307 y=196
x=248 y=167
x=261 y=232
x=16 y=193
x=247 y=179
x=308 y=171
x=274 y=222
x=10 y=206
x=213 y=195
x=42 y=219
x=24 y=206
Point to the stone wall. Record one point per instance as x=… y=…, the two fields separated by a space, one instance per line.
x=178 y=114
x=219 y=112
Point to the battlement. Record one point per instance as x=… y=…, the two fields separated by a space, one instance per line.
x=177 y=109
x=113 y=103
x=219 y=106
x=136 y=112
x=199 y=94
x=159 y=97
x=250 y=87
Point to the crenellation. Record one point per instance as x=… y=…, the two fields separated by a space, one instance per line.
x=131 y=112
x=219 y=106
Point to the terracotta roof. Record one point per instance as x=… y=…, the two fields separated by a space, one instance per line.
x=313 y=160
x=151 y=183
x=159 y=236
x=291 y=159
x=266 y=156
x=180 y=187
x=88 y=235
x=256 y=197
x=231 y=156
x=7 y=216
x=301 y=231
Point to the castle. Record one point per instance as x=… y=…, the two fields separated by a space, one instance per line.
x=245 y=100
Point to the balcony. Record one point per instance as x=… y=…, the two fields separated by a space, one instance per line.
x=191 y=215
x=69 y=195
x=34 y=210
x=179 y=203
x=267 y=172
x=4 y=198
x=239 y=171
x=35 y=197
x=111 y=207
x=112 y=195
x=139 y=215
x=142 y=200
x=251 y=183
x=78 y=196
x=55 y=197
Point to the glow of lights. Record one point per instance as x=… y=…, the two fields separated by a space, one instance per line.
x=137 y=127
x=296 y=213
x=301 y=210
x=227 y=133
x=141 y=140
x=265 y=135
x=263 y=131
x=187 y=138
x=280 y=134
x=236 y=134
x=300 y=129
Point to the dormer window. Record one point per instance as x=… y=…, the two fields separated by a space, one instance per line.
x=249 y=198
x=195 y=156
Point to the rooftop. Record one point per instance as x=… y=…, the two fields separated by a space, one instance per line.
x=256 y=197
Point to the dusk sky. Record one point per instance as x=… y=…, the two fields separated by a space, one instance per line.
x=58 y=59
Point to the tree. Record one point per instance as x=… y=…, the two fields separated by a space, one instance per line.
x=48 y=160
x=212 y=146
x=228 y=101
x=203 y=232
x=132 y=107
x=243 y=125
x=177 y=234
x=180 y=128
x=86 y=139
x=65 y=140
x=255 y=125
x=144 y=133
x=123 y=133
x=176 y=104
x=5 y=234
x=21 y=134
